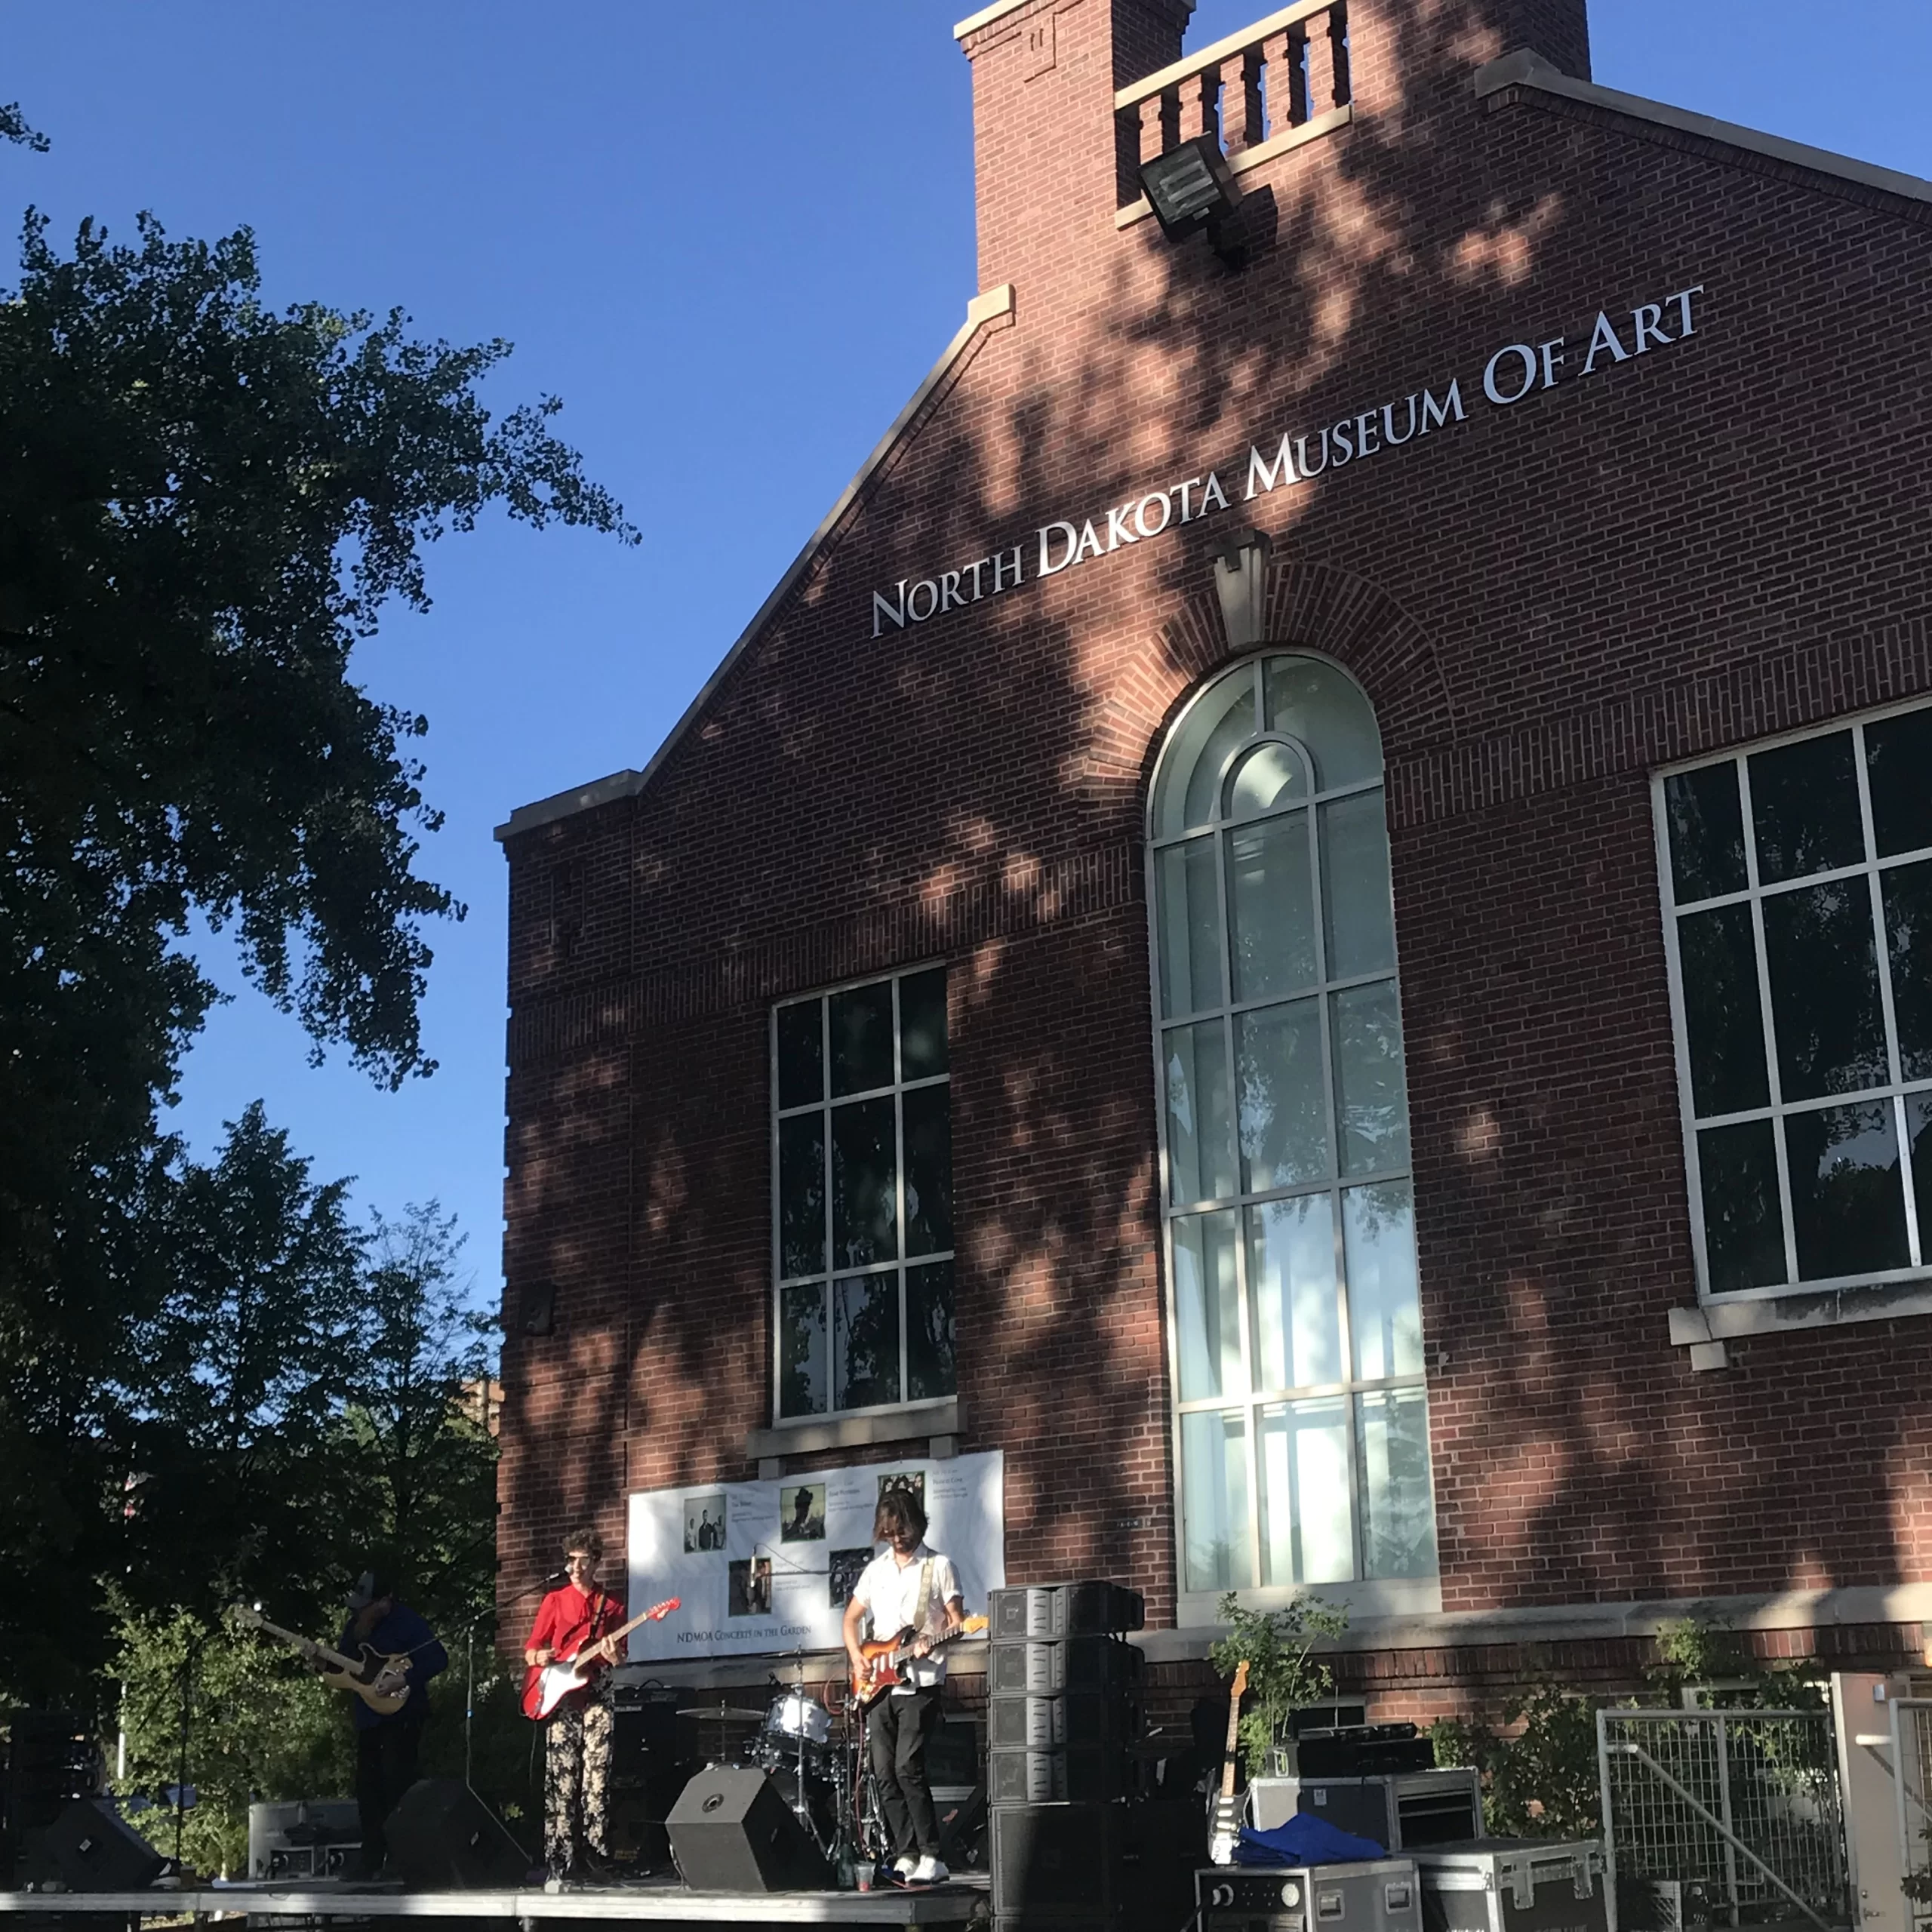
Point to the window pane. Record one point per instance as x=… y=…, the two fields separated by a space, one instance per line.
x=1190 y=913
x=1898 y=767
x=802 y=1382
x=1222 y=719
x=1831 y=1032
x=1355 y=883
x=1743 y=1227
x=1706 y=820
x=928 y=1125
x=801 y=1195
x=931 y=1368
x=922 y=1048
x=1398 y=1511
x=1306 y=1535
x=1200 y=1164
x=1272 y=918
x=1908 y=897
x=865 y=1340
x=1379 y=1252
x=1371 y=1095
x=1848 y=1206
x=1316 y=702
x=1208 y=1306
x=1291 y=1285
x=801 y=1055
x=861 y=1039
x=1213 y=1462
x=865 y=1211
x=1918 y=1133
x=1722 y=1014
x=1804 y=805
x=1268 y=776
x=1284 y=1121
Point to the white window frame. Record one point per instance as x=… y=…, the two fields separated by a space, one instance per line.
x=824 y=1106
x=1399 y=1595
x=1829 y=1303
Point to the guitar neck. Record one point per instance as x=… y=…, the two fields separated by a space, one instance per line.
x=308 y=1643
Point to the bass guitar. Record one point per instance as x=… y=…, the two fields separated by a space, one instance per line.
x=1224 y=1815
x=886 y=1659
x=547 y=1685
x=380 y=1680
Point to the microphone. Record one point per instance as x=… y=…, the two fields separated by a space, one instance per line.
x=556 y=1579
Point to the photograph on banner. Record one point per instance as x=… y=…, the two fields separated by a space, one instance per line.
x=765 y=1567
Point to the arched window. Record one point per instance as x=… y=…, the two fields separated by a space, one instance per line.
x=1296 y=1340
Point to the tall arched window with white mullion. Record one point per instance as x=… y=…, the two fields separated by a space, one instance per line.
x=1302 y=1426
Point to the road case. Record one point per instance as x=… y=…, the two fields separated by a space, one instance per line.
x=1512 y=1885
x=1378 y=1895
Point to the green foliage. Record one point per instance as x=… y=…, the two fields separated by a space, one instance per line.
x=259 y=1726
x=1283 y=1672
x=1693 y=1654
x=13 y=128
x=1539 y=1774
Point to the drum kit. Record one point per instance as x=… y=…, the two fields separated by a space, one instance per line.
x=813 y=1758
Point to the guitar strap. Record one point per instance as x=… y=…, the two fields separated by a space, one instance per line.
x=922 y=1603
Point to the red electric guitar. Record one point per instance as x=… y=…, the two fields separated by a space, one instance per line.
x=547 y=1685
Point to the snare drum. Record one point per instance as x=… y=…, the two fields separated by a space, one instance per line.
x=797 y=1714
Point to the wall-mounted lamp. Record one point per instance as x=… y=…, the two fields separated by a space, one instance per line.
x=1191 y=188
x=1241 y=582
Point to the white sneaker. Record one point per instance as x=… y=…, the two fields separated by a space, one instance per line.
x=928 y=1872
x=905 y=1865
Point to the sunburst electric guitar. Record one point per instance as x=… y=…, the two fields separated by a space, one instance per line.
x=887 y=1657
x=1224 y=1820
x=547 y=1685
x=382 y=1681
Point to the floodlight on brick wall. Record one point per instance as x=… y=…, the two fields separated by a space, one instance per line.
x=1192 y=190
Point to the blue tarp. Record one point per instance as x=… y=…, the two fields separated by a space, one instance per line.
x=1304 y=1840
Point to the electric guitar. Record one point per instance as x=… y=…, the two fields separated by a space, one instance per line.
x=381 y=1681
x=886 y=1658
x=547 y=1685
x=1224 y=1816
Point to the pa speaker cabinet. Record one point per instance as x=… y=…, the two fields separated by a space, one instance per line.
x=1042 y=1669
x=443 y=1838
x=1082 y=1718
x=730 y=1831
x=1063 y=1610
x=1131 y=1864
x=1043 y=1777
x=94 y=1849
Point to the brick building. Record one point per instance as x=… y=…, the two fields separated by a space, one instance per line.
x=1502 y=553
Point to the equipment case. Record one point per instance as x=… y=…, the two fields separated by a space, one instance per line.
x=1377 y=1895
x=1512 y=1885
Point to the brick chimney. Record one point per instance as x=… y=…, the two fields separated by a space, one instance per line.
x=1044 y=75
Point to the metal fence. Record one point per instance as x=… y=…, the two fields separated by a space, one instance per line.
x=1722 y=1818
x=1911 y=1720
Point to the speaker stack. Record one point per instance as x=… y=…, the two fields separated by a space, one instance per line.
x=1073 y=1846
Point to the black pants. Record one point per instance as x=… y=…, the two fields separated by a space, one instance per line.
x=386 y=1756
x=898 y=1727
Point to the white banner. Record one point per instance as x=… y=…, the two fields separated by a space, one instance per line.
x=770 y=1566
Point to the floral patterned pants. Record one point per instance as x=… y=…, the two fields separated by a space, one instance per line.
x=576 y=1784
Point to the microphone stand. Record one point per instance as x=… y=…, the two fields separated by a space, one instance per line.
x=549 y=1583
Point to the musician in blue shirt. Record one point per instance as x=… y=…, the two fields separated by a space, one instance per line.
x=387 y=1748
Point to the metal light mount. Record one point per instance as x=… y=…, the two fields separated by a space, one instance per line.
x=1241 y=582
x=1192 y=190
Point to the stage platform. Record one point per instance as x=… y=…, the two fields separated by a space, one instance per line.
x=658 y=1900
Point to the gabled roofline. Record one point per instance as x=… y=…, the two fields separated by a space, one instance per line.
x=1527 y=69
x=982 y=310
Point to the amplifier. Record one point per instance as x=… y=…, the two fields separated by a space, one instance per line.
x=310 y=1838
x=1377 y=1895
x=1040 y=1669
x=1362 y=1750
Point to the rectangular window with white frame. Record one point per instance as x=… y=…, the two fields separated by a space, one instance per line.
x=862 y=1199
x=1797 y=883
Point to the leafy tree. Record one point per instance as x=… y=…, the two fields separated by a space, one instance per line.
x=1283 y=1671
x=203 y=504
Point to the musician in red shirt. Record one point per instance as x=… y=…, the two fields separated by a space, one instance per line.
x=573 y=1621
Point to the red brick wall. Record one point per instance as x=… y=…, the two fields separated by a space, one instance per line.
x=1685 y=551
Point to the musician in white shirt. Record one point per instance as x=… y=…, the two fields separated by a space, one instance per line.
x=909 y=1587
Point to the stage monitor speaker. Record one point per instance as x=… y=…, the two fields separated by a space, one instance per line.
x=731 y=1831
x=443 y=1838
x=94 y=1849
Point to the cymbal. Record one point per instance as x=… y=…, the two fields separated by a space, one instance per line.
x=720 y=1711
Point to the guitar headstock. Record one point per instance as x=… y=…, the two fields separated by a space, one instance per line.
x=658 y=1611
x=1238 y=1689
x=248 y=1616
x=971 y=1627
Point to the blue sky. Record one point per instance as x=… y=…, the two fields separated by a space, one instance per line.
x=732 y=239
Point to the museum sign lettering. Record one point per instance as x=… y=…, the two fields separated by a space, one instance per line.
x=1516 y=371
